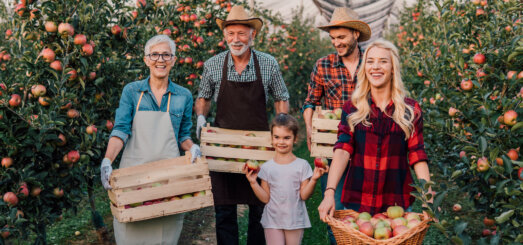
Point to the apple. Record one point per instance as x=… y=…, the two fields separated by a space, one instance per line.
x=7 y=162
x=410 y=216
x=38 y=90
x=366 y=228
x=395 y=211
x=58 y=192
x=188 y=60
x=483 y=164
x=48 y=55
x=10 y=198
x=452 y=111
x=174 y=198
x=5 y=234
x=348 y=218
x=62 y=139
x=398 y=221
x=462 y=154
x=456 y=207
x=109 y=125
x=188 y=195
x=513 y=154
x=23 y=190
x=87 y=50
x=199 y=193
x=35 y=191
x=15 y=100
x=510 y=117
x=479 y=58
x=466 y=85
x=321 y=162
x=479 y=12
x=381 y=223
x=380 y=216
x=520 y=75
x=50 y=26
x=72 y=113
x=80 y=39
x=353 y=225
x=253 y=165
x=65 y=29
x=133 y=205
x=148 y=203
x=412 y=223
x=337 y=112
x=73 y=155
x=8 y=32
x=330 y=115
x=488 y=222
x=19 y=214
x=398 y=230
x=91 y=129
x=486 y=232
x=116 y=30
x=140 y=3
x=511 y=74
x=520 y=173
x=364 y=216
x=56 y=65
x=382 y=233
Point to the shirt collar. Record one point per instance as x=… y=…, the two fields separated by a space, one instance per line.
x=146 y=87
x=337 y=59
x=373 y=104
x=231 y=61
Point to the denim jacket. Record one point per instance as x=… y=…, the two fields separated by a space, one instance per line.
x=180 y=109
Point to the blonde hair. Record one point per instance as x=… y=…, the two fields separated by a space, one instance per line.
x=403 y=114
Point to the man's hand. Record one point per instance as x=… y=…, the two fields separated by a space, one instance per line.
x=200 y=122
x=105 y=172
x=195 y=152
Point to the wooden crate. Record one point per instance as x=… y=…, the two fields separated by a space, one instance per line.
x=226 y=150
x=163 y=188
x=324 y=134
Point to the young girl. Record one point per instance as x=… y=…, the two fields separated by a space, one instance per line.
x=286 y=181
x=381 y=133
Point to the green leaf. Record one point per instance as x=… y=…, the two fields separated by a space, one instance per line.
x=507 y=164
x=517 y=126
x=504 y=216
x=456 y=240
x=460 y=227
x=482 y=144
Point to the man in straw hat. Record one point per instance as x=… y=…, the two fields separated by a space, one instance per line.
x=334 y=78
x=239 y=81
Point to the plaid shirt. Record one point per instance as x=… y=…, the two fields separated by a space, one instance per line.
x=270 y=71
x=379 y=174
x=330 y=78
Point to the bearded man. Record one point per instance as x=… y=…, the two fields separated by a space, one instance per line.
x=239 y=81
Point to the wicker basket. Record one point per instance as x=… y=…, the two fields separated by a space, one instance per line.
x=345 y=235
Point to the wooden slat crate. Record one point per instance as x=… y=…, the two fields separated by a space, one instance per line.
x=160 y=188
x=324 y=134
x=226 y=150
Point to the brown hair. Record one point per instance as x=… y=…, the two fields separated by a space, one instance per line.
x=287 y=121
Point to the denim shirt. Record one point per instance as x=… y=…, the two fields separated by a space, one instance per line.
x=180 y=109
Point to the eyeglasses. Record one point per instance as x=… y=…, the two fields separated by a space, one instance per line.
x=155 y=56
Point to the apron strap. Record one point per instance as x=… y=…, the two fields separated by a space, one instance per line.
x=139 y=101
x=168 y=102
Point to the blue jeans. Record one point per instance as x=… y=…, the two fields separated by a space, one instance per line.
x=337 y=196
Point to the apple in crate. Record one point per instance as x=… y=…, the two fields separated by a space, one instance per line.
x=138 y=204
x=186 y=195
x=395 y=212
x=199 y=193
x=337 y=112
x=321 y=162
x=174 y=198
x=250 y=134
x=329 y=115
x=253 y=165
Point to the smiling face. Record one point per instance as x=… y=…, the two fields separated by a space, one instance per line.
x=239 y=38
x=378 y=67
x=282 y=139
x=160 y=68
x=344 y=40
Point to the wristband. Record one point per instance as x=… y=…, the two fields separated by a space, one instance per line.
x=330 y=188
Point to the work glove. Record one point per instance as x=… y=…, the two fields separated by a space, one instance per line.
x=195 y=152
x=105 y=172
x=200 y=123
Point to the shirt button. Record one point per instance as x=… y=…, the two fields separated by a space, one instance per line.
x=377 y=165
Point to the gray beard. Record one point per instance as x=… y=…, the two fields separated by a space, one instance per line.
x=241 y=51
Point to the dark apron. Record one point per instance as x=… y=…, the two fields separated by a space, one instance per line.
x=240 y=106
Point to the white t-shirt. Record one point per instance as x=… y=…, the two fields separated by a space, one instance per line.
x=285 y=210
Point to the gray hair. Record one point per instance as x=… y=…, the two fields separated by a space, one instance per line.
x=251 y=29
x=157 y=40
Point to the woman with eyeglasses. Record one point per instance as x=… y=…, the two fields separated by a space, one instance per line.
x=153 y=122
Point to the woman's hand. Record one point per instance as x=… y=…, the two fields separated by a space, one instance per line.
x=318 y=172
x=250 y=175
x=327 y=206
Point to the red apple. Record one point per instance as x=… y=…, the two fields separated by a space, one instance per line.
x=10 y=198
x=379 y=216
x=321 y=162
x=140 y=3
x=510 y=117
x=398 y=221
x=48 y=55
x=398 y=230
x=72 y=113
x=58 y=192
x=56 y=65
x=513 y=154
x=109 y=125
x=50 y=26
x=366 y=228
x=412 y=223
x=511 y=74
x=466 y=85
x=480 y=11
x=65 y=29
x=253 y=165
x=382 y=233
x=483 y=164
x=72 y=75
x=38 y=90
x=199 y=64
x=7 y=162
x=488 y=222
x=87 y=50
x=91 y=129
x=62 y=139
x=520 y=173
x=80 y=39
x=23 y=190
x=479 y=58
x=8 y=32
x=486 y=232
x=462 y=154
x=452 y=111
x=116 y=30
x=456 y=207
x=73 y=155
x=364 y=216
x=410 y=216
x=395 y=212
x=188 y=60
x=36 y=191
x=15 y=100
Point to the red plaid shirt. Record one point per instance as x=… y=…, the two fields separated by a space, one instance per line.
x=330 y=78
x=379 y=174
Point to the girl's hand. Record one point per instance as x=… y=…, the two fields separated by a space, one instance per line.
x=250 y=175
x=326 y=207
x=318 y=172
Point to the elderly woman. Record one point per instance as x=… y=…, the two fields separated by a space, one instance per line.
x=153 y=121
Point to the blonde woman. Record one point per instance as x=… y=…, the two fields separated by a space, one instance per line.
x=381 y=133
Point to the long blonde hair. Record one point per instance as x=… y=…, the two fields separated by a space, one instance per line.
x=403 y=114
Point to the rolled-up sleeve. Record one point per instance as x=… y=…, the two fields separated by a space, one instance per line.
x=186 y=124
x=124 y=115
x=315 y=90
x=277 y=86
x=206 y=89
x=415 y=143
x=345 y=136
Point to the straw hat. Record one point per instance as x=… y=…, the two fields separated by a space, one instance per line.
x=238 y=15
x=345 y=17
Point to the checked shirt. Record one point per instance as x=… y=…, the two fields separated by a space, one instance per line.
x=330 y=78
x=380 y=159
x=270 y=72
